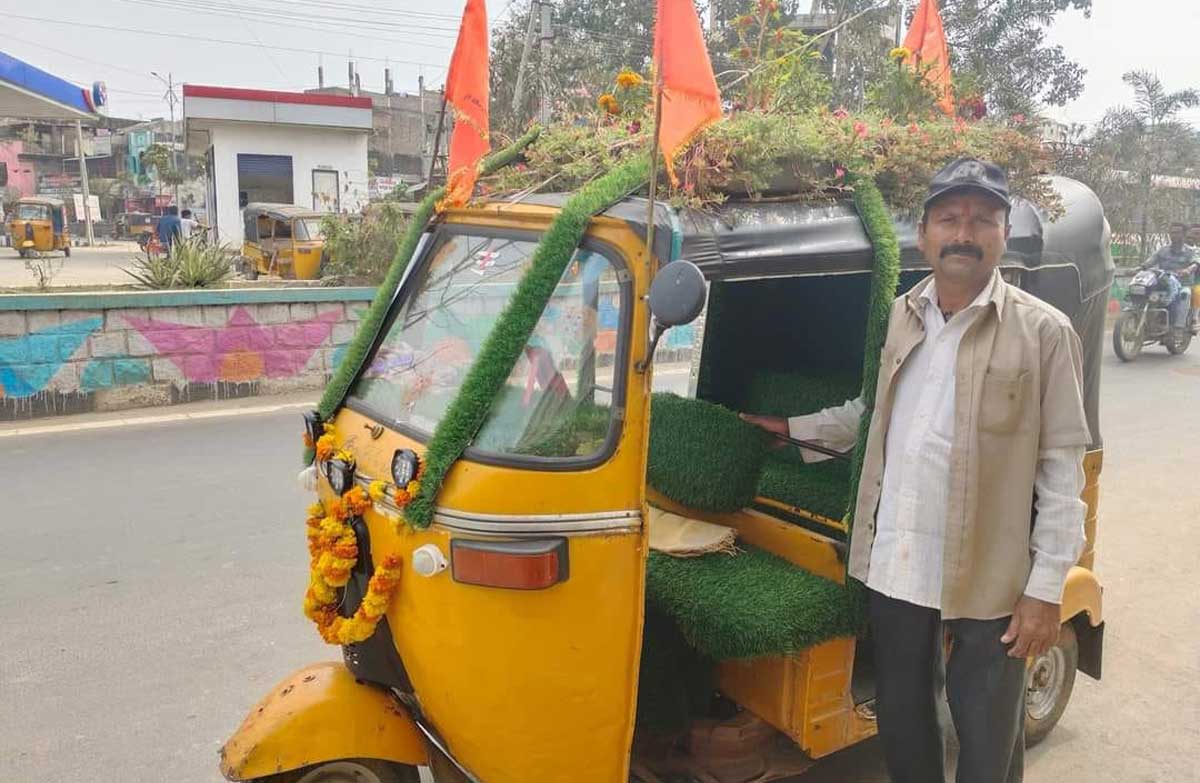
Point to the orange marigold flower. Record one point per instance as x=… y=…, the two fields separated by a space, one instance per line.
x=337 y=510
x=628 y=79
x=326 y=447
x=357 y=500
x=401 y=497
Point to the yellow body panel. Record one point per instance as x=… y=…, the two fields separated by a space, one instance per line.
x=45 y=239
x=320 y=713
x=528 y=685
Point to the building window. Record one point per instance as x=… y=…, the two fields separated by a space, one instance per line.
x=326 y=195
x=265 y=178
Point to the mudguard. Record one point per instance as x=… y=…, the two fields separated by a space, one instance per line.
x=321 y=713
x=1082 y=593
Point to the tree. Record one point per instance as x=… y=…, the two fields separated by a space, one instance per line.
x=1130 y=153
x=593 y=40
x=1001 y=46
x=161 y=158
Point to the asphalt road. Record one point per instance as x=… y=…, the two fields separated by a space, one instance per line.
x=87 y=266
x=151 y=575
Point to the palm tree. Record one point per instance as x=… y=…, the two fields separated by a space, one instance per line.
x=1147 y=139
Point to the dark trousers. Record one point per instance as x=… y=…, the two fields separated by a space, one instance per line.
x=986 y=691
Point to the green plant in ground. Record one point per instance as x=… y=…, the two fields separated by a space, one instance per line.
x=44 y=269
x=192 y=263
x=364 y=246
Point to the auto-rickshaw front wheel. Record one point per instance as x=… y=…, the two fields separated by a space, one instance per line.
x=350 y=771
x=1049 y=680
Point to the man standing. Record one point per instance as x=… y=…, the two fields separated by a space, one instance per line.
x=979 y=410
x=1180 y=260
x=170 y=228
x=187 y=224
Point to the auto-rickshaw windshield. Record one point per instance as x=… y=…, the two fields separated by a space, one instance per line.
x=308 y=229
x=557 y=399
x=33 y=212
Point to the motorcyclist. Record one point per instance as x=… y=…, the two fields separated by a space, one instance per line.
x=1180 y=261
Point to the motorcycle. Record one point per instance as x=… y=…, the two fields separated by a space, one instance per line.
x=1145 y=317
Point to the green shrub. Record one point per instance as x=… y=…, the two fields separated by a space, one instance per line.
x=192 y=263
x=364 y=245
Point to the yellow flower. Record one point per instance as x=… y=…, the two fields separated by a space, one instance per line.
x=413 y=488
x=345 y=456
x=316 y=510
x=627 y=79
x=900 y=53
x=606 y=101
x=377 y=490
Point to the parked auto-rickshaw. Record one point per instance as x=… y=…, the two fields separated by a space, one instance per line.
x=282 y=240
x=532 y=634
x=138 y=226
x=38 y=224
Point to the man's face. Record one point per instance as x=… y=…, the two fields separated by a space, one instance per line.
x=963 y=237
x=1176 y=235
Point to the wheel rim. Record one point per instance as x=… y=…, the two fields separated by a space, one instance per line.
x=1131 y=341
x=1044 y=683
x=341 y=772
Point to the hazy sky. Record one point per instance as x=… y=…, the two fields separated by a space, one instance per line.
x=276 y=44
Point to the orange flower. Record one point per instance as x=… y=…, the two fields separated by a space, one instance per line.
x=337 y=510
x=326 y=447
x=401 y=497
x=308 y=441
x=628 y=79
x=357 y=500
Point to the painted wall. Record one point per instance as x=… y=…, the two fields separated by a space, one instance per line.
x=20 y=173
x=344 y=151
x=136 y=350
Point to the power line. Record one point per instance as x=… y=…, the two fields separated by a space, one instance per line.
x=275 y=14
x=206 y=39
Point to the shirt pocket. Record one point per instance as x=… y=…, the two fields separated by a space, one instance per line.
x=1003 y=400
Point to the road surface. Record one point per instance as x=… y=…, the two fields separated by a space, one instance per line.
x=151 y=577
x=87 y=266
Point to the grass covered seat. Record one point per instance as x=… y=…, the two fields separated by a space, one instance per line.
x=749 y=605
x=785 y=393
x=819 y=487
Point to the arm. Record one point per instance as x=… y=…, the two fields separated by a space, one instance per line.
x=835 y=427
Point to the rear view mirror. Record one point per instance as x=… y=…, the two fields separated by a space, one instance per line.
x=677 y=296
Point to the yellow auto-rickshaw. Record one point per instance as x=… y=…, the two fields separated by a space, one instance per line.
x=529 y=634
x=138 y=226
x=282 y=240
x=38 y=224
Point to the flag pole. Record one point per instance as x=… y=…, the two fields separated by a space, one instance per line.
x=654 y=155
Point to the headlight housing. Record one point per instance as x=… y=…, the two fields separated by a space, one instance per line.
x=340 y=474
x=405 y=464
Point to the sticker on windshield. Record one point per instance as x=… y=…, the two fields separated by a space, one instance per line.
x=485 y=260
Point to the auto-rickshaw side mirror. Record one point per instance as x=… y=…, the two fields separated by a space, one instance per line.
x=677 y=296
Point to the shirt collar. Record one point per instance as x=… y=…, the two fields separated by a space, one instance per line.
x=926 y=291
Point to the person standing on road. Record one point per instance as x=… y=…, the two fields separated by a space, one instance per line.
x=187 y=224
x=1180 y=260
x=170 y=228
x=979 y=410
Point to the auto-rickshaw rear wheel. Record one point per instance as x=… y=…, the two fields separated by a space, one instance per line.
x=1049 y=680
x=350 y=771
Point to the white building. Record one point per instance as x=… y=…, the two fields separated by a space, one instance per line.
x=280 y=147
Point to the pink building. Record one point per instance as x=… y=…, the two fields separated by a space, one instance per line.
x=20 y=173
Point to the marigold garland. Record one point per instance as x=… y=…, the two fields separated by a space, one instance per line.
x=333 y=551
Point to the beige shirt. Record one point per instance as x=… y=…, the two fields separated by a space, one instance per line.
x=1018 y=393
x=910 y=522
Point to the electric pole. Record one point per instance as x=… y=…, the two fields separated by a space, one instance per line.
x=175 y=140
x=519 y=90
x=544 y=48
x=83 y=181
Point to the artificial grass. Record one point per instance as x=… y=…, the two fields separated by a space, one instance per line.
x=702 y=455
x=781 y=393
x=819 y=487
x=885 y=275
x=503 y=346
x=372 y=321
x=749 y=605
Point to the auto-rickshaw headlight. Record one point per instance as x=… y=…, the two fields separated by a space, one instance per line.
x=340 y=474
x=405 y=464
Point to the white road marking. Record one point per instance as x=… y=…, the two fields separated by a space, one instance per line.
x=129 y=421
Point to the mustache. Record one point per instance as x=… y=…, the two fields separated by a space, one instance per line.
x=962 y=250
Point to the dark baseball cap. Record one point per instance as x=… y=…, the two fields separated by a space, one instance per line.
x=969 y=174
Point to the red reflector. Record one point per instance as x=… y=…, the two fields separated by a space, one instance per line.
x=514 y=565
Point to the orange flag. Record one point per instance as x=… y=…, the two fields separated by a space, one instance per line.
x=467 y=95
x=926 y=40
x=684 y=76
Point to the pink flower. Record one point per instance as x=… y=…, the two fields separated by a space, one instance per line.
x=860 y=129
x=635 y=127
x=1019 y=118
x=913 y=128
x=839 y=172
x=841 y=113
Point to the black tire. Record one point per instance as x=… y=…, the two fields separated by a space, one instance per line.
x=1049 y=681
x=1126 y=346
x=1178 y=340
x=349 y=771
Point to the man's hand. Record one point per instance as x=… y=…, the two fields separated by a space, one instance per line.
x=1033 y=629
x=773 y=424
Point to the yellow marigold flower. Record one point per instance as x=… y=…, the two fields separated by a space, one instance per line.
x=628 y=78
x=377 y=490
x=413 y=487
x=900 y=53
x=326 y=446
x=344 y=455
x=605 y=100
x=316 y=510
